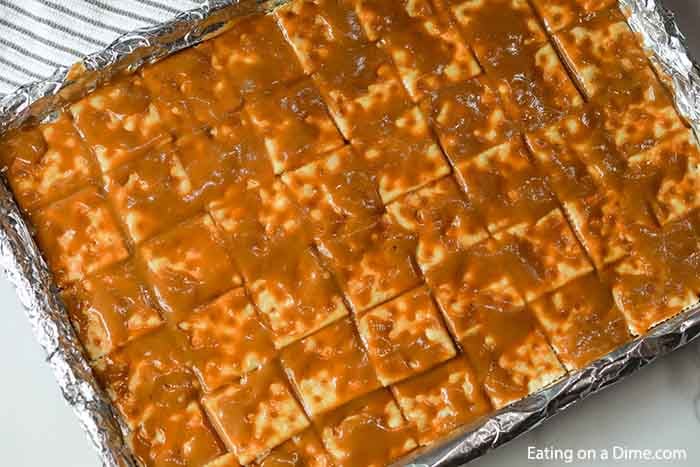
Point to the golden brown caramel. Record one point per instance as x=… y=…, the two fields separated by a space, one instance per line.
x=405 y=336
x=614 y=71
x=47 y=164
x=367 y=432
x=226 y=339
x=444 y=221
x=119 y=121
x=534 y=85
x=545 y=255
x=188 y=266
x=476 y=293
x=79 y=235
x=426 y=47
x=329 y=368
x=224 y=155
x=253 y=56
x=582 y=321
x=374 y=264
x=227 y=460
x=302 y=450
x=325 y=35
x=442 y=399
x=110 y=308
x=658 y=279
x=295 y=125
x=563 y=14
x=468 y=118
x=505 y=187
x=212 y=219
x=338 y=193
x=669 y=173
x=295 y=294
x=150 y=193
x=175 y=437
x=494 y=26
x=149 y=376
x=256 y=414
x=256 y=219
x=188 y=92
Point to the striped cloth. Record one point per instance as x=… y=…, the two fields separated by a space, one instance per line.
x=36 y=36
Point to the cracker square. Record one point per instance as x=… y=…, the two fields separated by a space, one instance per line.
x=54 y=163
x=615 y=73
x=477 y=296
x=119 y=121
x=256 y=219
x=230 y=153
x=510 y=355
x=188 y=266
x=680 y=246
x=79 y=235
x=405 y=336
x=473 y=282
x=369 y=432
x=442 y=218
x=150 y=193
x=603 y=221
x=402 y=152
x=188 y=92
x=605 y=56
x=304 y=449
x=338 y=193
x=656 y=281
x=110 y=308
x=582 y=321
x=443 y=399
x=181 y=436
x=505 y=187
x=535 y=88
x=546 y=254
x=372 y=265
x=362 y=89
x=321 y=32
x=254 y=55
x=295 y=125
x=468 y=118
x=564 y=14
x=479 y=20
x=670 y=174
x=639 y=123
x=227 y=339
x=149 y=376
x=329 y=368
x=256 y=414
x=643 y=310
x=576 y=155
x=427 y=49
x=295 y=295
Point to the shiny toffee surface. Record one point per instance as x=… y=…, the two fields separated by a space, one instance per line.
x=335 y=233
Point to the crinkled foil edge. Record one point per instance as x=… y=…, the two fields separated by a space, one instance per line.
x=26 y=270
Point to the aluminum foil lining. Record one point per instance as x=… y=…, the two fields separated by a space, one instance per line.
x=25 y=268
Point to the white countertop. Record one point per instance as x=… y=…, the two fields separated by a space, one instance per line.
x=657 y=408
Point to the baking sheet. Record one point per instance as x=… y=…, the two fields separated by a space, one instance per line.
x=27 y=271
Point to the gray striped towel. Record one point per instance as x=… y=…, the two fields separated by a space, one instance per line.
x=36 y=36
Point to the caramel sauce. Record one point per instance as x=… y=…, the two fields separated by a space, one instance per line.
x=252 y=236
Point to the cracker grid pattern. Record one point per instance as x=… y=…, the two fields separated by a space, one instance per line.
x=221 y=225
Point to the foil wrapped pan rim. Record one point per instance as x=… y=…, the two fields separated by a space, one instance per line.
x=25 y=268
